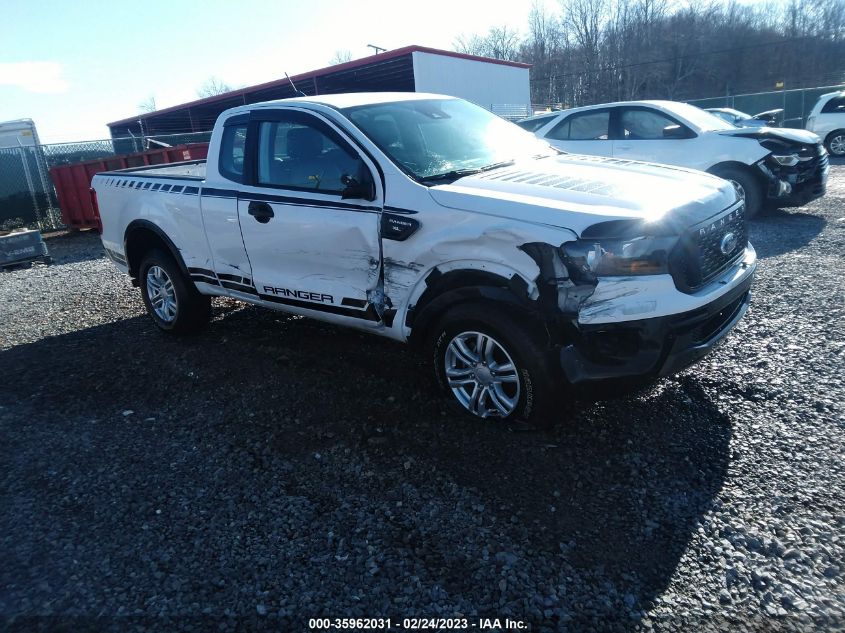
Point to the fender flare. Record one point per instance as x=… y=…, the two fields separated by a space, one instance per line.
x=146 y=225
x=460 y=286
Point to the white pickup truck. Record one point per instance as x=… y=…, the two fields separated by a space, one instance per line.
x=517 y=268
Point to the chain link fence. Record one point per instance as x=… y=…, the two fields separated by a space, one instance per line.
x=796 y=104
x=27 y=196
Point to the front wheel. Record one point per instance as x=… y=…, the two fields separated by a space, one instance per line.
x=171 y=300
x=835 y=143
x=493 y=366
x=748 y=188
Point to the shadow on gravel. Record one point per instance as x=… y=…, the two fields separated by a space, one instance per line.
x=618 y=487
x=778 y=231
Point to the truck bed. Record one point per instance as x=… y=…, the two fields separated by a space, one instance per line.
x=191 y=170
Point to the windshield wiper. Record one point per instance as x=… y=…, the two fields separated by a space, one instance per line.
x=460 y=173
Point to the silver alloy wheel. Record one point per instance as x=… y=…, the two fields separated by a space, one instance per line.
x=837 y=145
x=482 y=375
x=161 y=293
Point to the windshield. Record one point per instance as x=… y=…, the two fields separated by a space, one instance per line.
x=441 y=139
x=703 y=120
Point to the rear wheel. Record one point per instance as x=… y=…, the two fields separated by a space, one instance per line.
x=835 y=143
x=747 y=187
x=493 y=366
x=171 y=300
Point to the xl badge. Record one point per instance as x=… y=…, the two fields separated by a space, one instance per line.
x=728 y=243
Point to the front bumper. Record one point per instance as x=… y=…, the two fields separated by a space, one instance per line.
x=651 y=348
x=798 y=185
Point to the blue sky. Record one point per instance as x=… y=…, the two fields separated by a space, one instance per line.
x=74 y=66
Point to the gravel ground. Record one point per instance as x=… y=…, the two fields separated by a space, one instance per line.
x=273 y=469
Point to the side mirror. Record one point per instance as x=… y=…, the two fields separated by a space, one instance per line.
x=352 y=189
x=675 y=131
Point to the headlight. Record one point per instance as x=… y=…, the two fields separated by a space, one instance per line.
x=787 y=160
x=589 y=259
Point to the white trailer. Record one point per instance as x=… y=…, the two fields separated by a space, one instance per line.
x=18 y=133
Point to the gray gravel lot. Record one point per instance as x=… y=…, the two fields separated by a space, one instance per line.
x=273 y=469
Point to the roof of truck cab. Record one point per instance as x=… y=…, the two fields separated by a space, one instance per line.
x=349 y=99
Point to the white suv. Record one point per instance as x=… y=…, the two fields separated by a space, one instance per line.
x=827 y=119
x=769 y=166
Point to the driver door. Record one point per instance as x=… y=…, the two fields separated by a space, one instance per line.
x=586 y=132
x=309 y=213
x=653 y=136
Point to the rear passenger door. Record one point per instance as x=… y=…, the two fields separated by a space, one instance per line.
x=309 y=212
x=585 y=132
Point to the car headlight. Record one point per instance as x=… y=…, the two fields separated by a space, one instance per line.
x=588 y=259
x=787 y=160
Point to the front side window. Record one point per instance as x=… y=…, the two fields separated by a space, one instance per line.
x=441 y=139
x=837 y=104
x=649 y=125
x=298 y=155
x=232 y=150
x=584 y=126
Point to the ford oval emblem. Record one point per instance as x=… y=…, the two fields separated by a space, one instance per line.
x=728 y=243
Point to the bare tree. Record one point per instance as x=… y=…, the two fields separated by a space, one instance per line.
x=147 y=105
x=213 y=86
x=500 y=42
x=470 y=45
x=340 y=57
x=590 y=51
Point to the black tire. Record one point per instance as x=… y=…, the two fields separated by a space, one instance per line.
x=523 y=339
x=750 y=187
x=193 y=310
x=835 y=139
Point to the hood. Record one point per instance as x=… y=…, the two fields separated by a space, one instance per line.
x=576 y=192
x=783 y=134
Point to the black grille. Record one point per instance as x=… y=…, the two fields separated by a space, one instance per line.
x=698 y=257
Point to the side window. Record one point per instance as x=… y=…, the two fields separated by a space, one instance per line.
x=232 y=148
x=586 y=126
x=296 y=155
x=837 y=104
x=649 y=125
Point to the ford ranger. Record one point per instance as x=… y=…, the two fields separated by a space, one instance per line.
x=517 y=268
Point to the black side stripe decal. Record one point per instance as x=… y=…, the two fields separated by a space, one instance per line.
x=205 y=280
x=244 y=281
x=202 y=271
x=239 y=287
x=353 y=303
x=303 y=202
x=151 y=186
x=366 y=310
x=369 y=314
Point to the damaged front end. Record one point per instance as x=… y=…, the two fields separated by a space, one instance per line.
x=570 y=273
x=601 y=295
x=795 y=172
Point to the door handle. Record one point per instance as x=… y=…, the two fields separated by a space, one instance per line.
x=623 y=147
x=261 y=211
